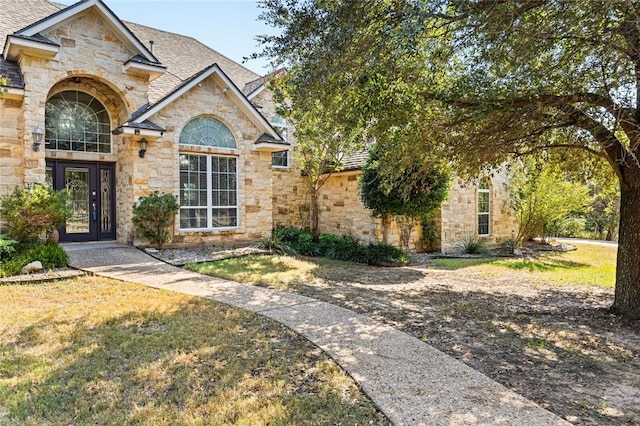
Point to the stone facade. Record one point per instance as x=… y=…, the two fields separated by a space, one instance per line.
x=92 y=57
x=342 y=212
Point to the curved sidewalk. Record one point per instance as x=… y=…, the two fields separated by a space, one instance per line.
x=410 y=381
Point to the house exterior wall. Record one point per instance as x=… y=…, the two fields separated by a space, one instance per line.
x=91 y=52
x=159 y=169
x=459 y=214
x=12 y=145
x=342 y=212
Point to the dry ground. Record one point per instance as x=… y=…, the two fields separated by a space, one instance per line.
x=556 y=345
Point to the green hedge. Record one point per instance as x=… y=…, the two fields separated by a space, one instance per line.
x=50 y=254
x=346 y=248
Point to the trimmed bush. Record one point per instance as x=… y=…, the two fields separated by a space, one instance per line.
x=154 y=215
x=30 y=212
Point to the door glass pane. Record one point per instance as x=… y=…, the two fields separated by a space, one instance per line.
x=77 y=183
x=105 y=200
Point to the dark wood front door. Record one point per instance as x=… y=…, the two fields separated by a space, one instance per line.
x=91 y=188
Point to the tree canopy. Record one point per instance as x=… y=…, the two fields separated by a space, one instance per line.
x=486 y=79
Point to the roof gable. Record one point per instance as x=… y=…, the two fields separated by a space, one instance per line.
x=232 y=90
x=72 y=12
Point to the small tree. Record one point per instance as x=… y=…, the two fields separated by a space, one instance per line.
x=541 y=194
x=323 y=139
x=153 y=215
x=29 y=213
x=414 y=191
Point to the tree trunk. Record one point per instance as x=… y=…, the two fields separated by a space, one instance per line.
x=386 y=218
x=627 y=293
x=315 y=214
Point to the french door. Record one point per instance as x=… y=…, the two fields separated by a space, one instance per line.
x=91 y=188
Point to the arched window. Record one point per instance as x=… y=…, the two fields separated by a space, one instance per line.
x=76 y=121
x=208 y=183
x=484 y=207
x=207 y=131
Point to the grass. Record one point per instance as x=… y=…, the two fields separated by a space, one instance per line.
x=97 y=351
x=274 y=271
x=589 y=265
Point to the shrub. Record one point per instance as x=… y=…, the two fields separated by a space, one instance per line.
x=473 y=245
x=51 y=255
x=347 y=248
x=153 y=216
x=381 y=254
x=28 y=213
x=7 y=247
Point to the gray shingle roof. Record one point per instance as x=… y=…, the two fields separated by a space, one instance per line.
x=11 y=70
x=183 y=56
x=355 y=161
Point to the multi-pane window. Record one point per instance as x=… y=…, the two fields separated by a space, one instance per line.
x=207 y=131
x=280 y=125
x=208 y=183
x=280 y=159
x=208 y=192
x=76 y=121
x=484 y=207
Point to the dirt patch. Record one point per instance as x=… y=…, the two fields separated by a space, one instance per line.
x=557 y=346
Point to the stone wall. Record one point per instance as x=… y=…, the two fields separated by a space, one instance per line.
x=343 y=213
x=459 y=214
x=159 y=169
x=12 y=145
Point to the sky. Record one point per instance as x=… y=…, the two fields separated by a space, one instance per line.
x=228 y=26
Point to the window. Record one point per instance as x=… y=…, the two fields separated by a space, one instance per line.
x=280 y=159
x=483 y=207
x=76 y=121
x=207 y=131
x=208 y=192
x=280 y=125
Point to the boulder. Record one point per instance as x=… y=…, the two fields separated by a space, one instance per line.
x=32 y=267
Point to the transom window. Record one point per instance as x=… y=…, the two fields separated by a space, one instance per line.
x=208 y=192
x=76 y=121
x=207 y=131
x=484 y=207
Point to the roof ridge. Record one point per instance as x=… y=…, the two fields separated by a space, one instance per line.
x=197 y=41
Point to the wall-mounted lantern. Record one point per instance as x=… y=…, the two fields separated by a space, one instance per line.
x=143 y=147
x=37 y=138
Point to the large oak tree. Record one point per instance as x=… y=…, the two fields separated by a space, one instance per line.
x=488 y=79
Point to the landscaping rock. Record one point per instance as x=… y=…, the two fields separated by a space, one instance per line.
x=32 y=267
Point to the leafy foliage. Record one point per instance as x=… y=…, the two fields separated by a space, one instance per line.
x=28 y=213
x=295 y=241
x=486 y=80
x=153 y=215
x=7 y=247
x=541 y=195
x=50 y=254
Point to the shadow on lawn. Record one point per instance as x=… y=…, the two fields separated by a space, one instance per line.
x=561 y=349
x=152 y=368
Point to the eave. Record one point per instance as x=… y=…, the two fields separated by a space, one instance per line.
x=15 y=47
x=144 y=70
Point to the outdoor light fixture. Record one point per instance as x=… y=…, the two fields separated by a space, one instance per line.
x=143 y=147
x=37 y=138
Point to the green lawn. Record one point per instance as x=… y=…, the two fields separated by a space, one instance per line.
x=589 y=265
x=98 y=351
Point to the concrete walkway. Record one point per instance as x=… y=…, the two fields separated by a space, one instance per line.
x=410 y=381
